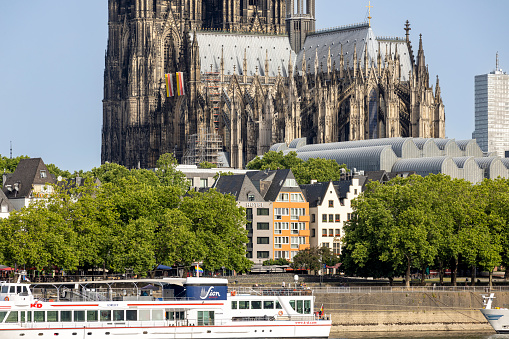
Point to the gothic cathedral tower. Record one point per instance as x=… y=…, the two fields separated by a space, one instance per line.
x=300 y=21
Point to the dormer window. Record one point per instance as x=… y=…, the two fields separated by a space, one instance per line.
x=290 y=183
x=43 y=174
x=250 y=197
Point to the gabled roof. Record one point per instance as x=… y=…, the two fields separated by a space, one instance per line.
x=240 y=186
x=315 y=193
x=28 y=173
x=233 y=46
x=352 y=38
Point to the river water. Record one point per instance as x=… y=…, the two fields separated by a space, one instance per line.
x=419 y=335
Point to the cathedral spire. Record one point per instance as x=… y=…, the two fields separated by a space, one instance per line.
x=407 y=29
x=222 y=63
x=438 y=94
x=366 y=58
x=303 y=67
x=354 y=60
x=266 y=66
x=316 y=61
x=341 y=63
x=244 y=67
x=329 y=62
x=379 y=60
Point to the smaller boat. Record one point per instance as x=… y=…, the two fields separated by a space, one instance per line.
x=496 y=316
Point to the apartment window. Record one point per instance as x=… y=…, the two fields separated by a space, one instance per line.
x=262 y=226
x=262 y=240
x=313 y=217
x=262 y=211
x=331 y=232
x=338 y=232
x=342 y=201
x=294 y=253
x=278 y=255
x=324 y=232
x=297 y=212
x=249 y=213
x=249 y=255
x=331 y=203
x=280 y=212
x=191 y=182
x=297 y=197
x=325 y=244
x=280 y=241
x=337 y=218
x=336 y=248
x=313 y=232
x=295 y=228
x=296 y=241
x=249 y=226
x=203 y=182
x=43 y=174
x=324 y=217
x=290 y=183
x=279 y=227
x=262 y=254
x=331 y=217
x=355 y=191
x=250 y=197
x=283 y=197
x=349 y=216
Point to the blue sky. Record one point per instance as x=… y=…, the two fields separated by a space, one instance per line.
x=52 y=64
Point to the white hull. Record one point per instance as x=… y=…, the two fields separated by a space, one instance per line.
x=498 y=319
x=279 y=329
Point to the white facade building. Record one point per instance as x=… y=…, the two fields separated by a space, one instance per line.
x=492 y=112
x=330 y=207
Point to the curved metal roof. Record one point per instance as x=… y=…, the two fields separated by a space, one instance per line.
x=278 y=147
x=363 y=158
x=485 y=163
x=397 y=145
x=298 y=143
x=462 y=144
x=460 y=161
x=421 y=165
x=505 y=161
x=442 y=143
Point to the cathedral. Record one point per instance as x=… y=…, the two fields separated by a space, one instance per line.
x=256 y=73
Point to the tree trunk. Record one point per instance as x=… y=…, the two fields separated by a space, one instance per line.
x=441 y=272
x=454 y=271
x=391 y=281
x=407 y=274
x=490 y=285
x=423 y=277
x=472 y=275
x=506 y=274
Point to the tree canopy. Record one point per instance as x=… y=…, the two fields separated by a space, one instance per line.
x=135 y=220
x=322 y=170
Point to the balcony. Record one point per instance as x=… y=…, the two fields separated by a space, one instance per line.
x=304 y=218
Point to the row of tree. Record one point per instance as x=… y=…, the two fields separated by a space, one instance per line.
x=135 y=220
x=431 y=222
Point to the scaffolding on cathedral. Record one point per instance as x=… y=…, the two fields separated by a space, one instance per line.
x=203 y=147
x=213 y=79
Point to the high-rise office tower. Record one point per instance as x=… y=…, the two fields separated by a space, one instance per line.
x=492 y=111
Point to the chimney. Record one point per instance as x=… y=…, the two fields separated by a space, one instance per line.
x=313 y=181
x=4 y=179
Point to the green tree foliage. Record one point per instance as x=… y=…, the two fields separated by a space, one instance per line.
x=420 y=222
x=314 y=258
x=322 y=170
x=277 y=262
x=57 y=172
x=206 y=164
x=134 y=220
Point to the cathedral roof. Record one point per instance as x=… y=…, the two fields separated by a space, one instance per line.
x=352 y=38
x=256 y=48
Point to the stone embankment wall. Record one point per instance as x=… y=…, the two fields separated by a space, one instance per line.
x=398 y=310
x=407 y=311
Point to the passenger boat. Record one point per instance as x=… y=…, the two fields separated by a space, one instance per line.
x=496 y=316
x=180 y=308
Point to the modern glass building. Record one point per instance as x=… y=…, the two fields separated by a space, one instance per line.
x=492 y=112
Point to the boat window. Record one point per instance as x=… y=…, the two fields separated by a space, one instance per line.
x=278 y=305
x=131 y=315
x=234 y=305
x=29 y=317
x=292 y=304
x=5 y=289
x=157 y=314
x=205 y=318
x=52 y=316
x=105 y=315
x=24 y=290
x=18 y=289
x=144 y=315
x=66 y=316
x=243 y=304
x=300 y=306
x=256 y=305
x=307 y=306
x=268 y=304
x=39 y=316
x=79 y=316
x=12 y=317
x=92 y=316
x=118 y=315
x=13 y=289
x=22 y=316
x=2 y=316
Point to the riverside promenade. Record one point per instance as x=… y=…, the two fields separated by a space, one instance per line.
x=382 y=308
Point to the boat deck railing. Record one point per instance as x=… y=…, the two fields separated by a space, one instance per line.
x=264 y=291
